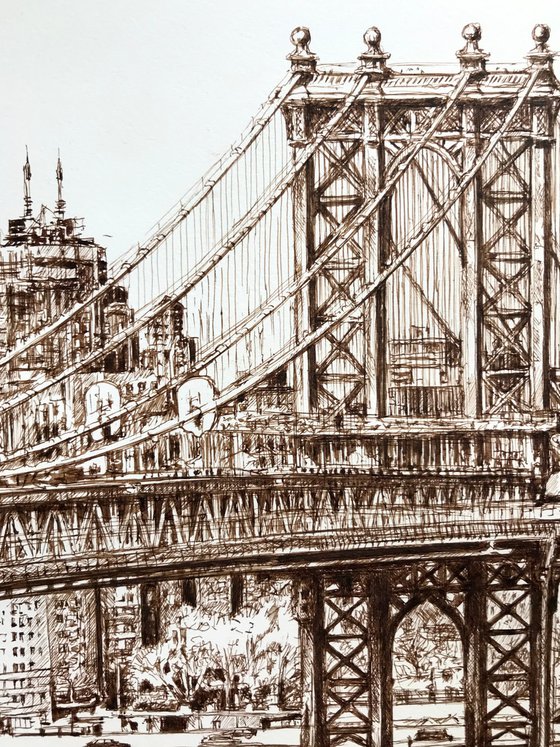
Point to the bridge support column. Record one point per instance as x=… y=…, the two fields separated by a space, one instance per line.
x=514 y=651
x=475 y=685
x=540 y=254
x=303 y=244
x=99 y=612
x=470 y=220
x=544 y=605
x=311 y=634
x=381 y=681
x=375 y=334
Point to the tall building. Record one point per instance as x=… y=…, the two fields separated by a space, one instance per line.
x=73 y=645
x=25 y=682
x=46 y=266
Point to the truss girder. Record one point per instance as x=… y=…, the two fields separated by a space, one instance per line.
x=163 y=527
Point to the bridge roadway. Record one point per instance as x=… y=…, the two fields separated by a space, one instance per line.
x=321 y=500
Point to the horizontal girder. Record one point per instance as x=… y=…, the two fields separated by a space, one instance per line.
x=161 y=526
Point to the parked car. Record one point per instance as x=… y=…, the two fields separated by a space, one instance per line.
x=230 y=738
x=433 y=734
x=242 y=731
x=106 y=742
x=219 y=739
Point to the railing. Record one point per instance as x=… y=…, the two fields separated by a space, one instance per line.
x=426 y=401
x=246 y=452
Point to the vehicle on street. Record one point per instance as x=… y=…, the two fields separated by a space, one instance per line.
x=433 y=734
x=242 y=731
x=219 y=739
x=106 y=742
x=230 y=738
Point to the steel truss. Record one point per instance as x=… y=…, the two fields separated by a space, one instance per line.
x=159 y=526
x=502 y=611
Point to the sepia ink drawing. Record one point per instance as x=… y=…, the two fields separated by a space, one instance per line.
x=288 y=472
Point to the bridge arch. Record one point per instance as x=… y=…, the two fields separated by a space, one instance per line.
x=428 y=665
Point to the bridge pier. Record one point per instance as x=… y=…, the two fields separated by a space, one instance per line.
x=502 y=609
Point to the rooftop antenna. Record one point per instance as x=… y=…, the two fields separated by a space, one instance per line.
x=27 y=185
x=60 y=204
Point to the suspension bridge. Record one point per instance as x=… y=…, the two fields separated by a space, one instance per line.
x=335 y=359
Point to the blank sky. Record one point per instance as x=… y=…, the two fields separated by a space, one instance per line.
x=141 y=97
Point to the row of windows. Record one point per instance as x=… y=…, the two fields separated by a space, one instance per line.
x=14 y=684
x=21 y=636
x=22 y=651
x=22 y=621
x=23 y=697
x=18 y=607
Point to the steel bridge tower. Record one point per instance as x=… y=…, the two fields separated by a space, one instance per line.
x=455 y=352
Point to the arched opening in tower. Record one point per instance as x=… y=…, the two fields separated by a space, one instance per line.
x=428 y=678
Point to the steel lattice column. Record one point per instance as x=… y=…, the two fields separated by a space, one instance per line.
x=541 y=207
x=470 y=218
x=475 y=656
x=517 y=633
x=331 y=377
x=357 y=662
x=303 y=241
x=374 y=234
x=309 y=612
x=515 y=254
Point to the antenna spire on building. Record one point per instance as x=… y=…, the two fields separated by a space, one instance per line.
x=60 y=203
x=27 y=185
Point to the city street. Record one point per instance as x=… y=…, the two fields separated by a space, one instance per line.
x=409 y=722
x=278 y=737
x=271 y=738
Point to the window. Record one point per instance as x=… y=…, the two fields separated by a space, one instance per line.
x=32 y=650
x=14 y=651
x=14 y=636
x=21 y=636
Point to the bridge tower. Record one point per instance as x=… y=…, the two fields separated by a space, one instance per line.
x=461 y=328
x=454 y=349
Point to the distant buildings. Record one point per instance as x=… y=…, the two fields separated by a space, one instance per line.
x=25 y=675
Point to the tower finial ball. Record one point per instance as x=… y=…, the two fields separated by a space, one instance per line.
x=372 y=38
x=300 y=37
x=541 y=33
x=472 y=32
